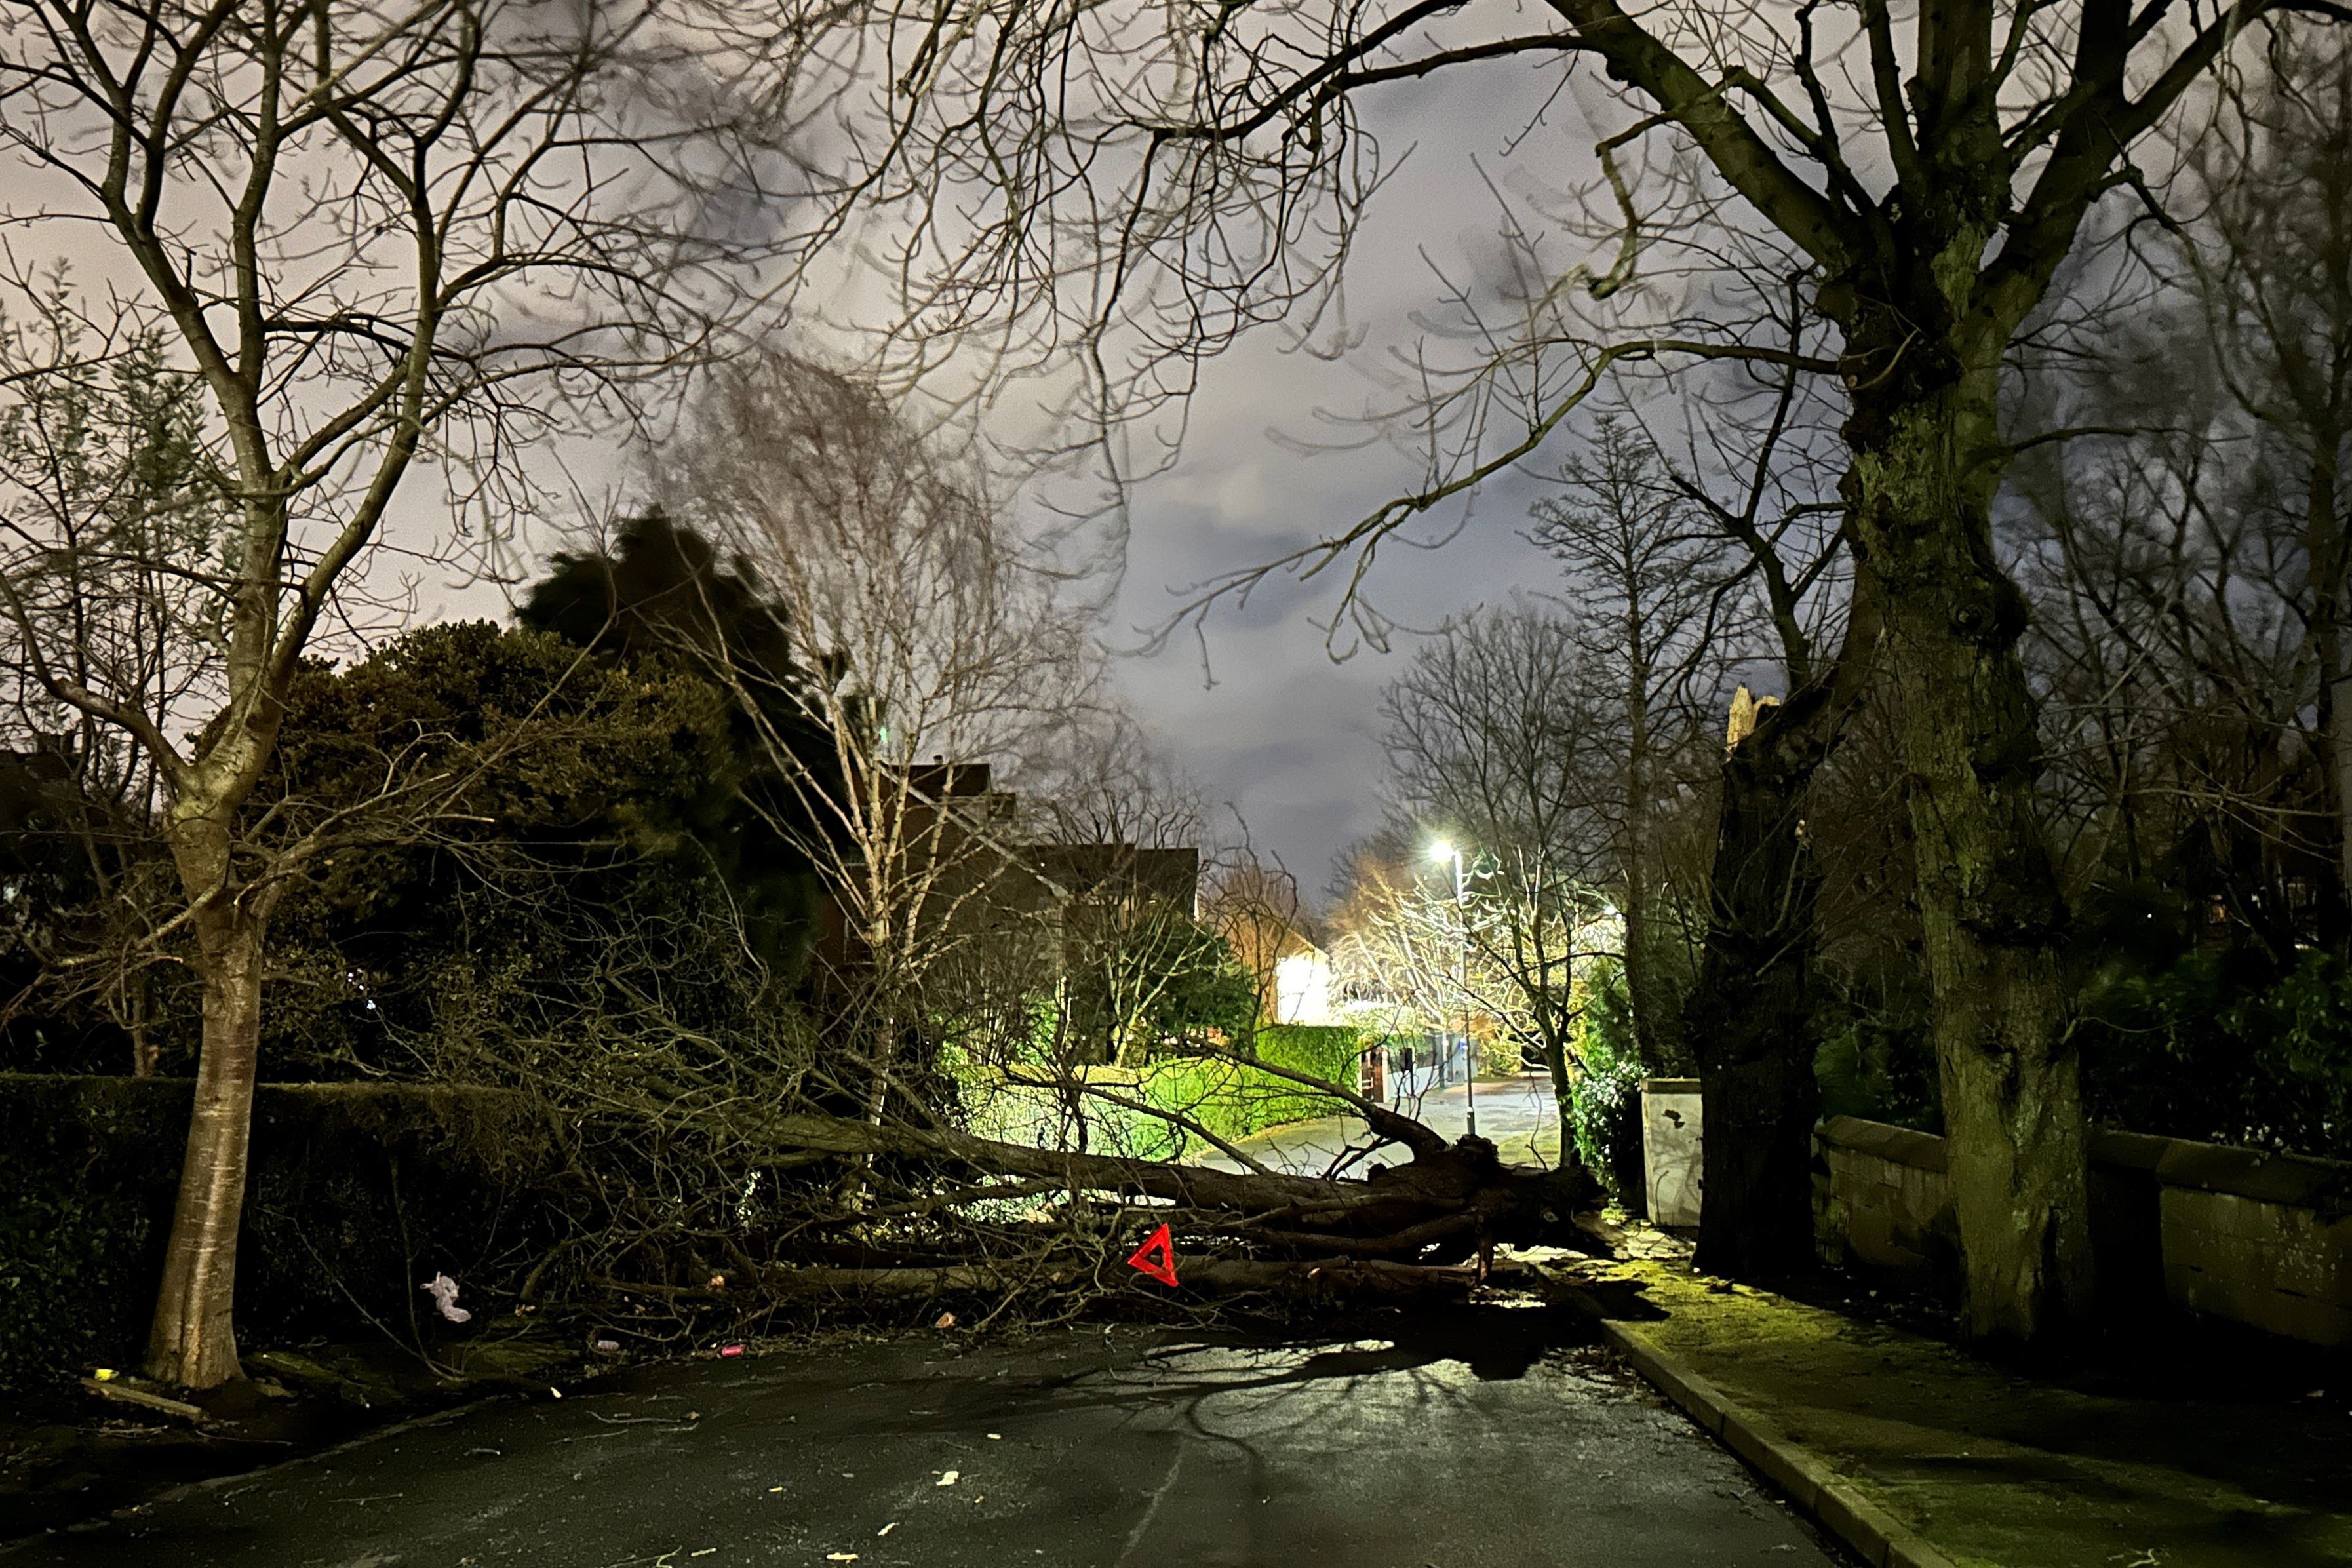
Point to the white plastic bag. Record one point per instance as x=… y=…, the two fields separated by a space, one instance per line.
x=444 y=1292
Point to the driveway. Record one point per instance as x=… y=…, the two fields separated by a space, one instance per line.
x=1482 y=1438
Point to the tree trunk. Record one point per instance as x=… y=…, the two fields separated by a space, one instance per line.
x=1641 y=986
x=1750 y=1016
x=2339 y=741
x=1353 y=1280
x=194 y=1341
x=1444 y=1204
x=1927 y=455
x=2324 y=547
x=1563 y=1095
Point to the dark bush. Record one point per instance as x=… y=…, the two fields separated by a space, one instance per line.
x=2219 y=1046
x=1605 y=1101
x=335 y=1241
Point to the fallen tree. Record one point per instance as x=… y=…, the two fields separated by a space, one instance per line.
x=1449 y=1202
x=942 y=1211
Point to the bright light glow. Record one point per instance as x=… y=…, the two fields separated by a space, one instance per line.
x=1441 y=850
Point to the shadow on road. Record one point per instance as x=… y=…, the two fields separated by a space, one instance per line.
x=1496 y=1343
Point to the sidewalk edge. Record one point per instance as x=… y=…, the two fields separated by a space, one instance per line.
x=1834 y=1502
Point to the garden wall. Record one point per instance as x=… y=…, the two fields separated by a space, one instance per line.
x=2235 y=1233
x=334 y=1236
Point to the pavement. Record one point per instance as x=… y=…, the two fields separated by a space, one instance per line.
x=1484 y=1436
x=1921 y=1456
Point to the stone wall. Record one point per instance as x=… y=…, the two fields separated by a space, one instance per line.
x=2235 y=1233
x=1885 y=1201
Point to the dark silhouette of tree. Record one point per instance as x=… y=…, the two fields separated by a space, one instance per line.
x=660 y=598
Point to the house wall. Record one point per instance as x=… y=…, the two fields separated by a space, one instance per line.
x=2234 y=1234
x=1302 y=989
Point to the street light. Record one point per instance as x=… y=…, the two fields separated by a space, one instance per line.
x=1444 y=849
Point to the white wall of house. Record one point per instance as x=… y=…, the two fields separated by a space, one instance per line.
x=1302 y=988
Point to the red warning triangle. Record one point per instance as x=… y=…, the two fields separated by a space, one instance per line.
x=1157 y=1256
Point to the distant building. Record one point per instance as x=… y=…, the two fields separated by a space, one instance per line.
x=1302 y=984
x=988 y=910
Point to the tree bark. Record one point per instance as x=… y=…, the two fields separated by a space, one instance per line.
x=2324 y=545
x=194 y=1340
x=1641 y=985
x=1356 y=1279
x=1563 y=1095
x=1926 y=455
x=1749 y=1015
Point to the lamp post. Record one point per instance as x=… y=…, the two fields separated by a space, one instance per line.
x=1444 y=850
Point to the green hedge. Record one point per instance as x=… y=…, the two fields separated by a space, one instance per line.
x=356 y=1192
x=1232 y=1099
x=1226 y=1095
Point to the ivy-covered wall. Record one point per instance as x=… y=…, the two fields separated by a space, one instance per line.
x=337 y=1233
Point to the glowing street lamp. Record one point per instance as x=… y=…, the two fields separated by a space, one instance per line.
x=1440 y=851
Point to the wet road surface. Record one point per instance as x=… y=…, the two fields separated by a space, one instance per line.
x=1482 y=1438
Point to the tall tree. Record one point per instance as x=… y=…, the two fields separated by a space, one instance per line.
x=1763 y=485
x=374 y=235
x=938 y=650
x=2273 y=260
x=1661 y=609
x=660 y=599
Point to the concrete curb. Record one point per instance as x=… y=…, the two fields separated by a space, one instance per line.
x=1834 y=1502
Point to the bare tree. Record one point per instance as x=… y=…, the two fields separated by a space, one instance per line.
x=1256 y=909
x=2180 y=526
x=1503 y=735
x=2273 y=259
x=374 y=235
x=106 y=469
x=937 y=652
x=1761 y=479
x=1662 y=615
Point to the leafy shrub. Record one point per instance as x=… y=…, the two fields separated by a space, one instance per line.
x=1605 y=1101
x=1881 y=1065
x=2216 y=1047
x=1233 y=1100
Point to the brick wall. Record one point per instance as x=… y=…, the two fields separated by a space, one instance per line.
x=2255 y=1238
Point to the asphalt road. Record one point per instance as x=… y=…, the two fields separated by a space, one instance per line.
x=1481 y=1438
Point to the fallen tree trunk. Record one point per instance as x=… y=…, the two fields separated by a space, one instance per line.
x=945 y=1210
x=1448 y=1202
